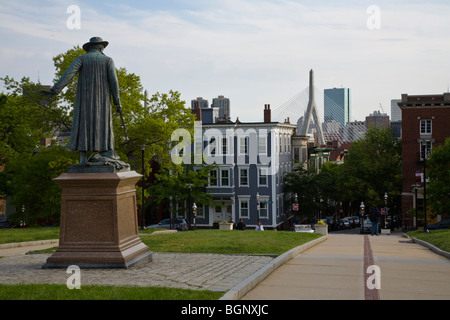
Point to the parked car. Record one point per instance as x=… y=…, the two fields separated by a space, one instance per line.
x=346 y=223
x=366 y=226
x=332 y=223
x=444 y=224
x=356 y=221
x=178 y=224
x=352 y=221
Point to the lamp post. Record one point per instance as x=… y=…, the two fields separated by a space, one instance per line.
x=143 y=184
x=257 y=204
x=385 y=209
x=425 y=156
x=194 y=210
x=361 y=213
x=23 y=223
x=189 y=185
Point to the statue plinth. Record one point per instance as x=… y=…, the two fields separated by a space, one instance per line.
x=99 y=227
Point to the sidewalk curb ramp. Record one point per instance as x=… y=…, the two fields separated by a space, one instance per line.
x=251 y=282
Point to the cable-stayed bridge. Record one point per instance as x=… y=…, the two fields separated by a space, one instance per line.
x=303 y=111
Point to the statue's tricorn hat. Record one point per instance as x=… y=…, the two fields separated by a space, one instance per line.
x=94 y=41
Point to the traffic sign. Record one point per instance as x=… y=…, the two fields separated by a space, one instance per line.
x=295 y=206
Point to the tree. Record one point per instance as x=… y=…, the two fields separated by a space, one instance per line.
x=371 y=168
x=32 y=186
x=187 y=184
x=438 y=189
x=303 y=182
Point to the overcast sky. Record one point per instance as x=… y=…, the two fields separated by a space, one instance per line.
x=252 y=51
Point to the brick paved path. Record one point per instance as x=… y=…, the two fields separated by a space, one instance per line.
x=190 y=271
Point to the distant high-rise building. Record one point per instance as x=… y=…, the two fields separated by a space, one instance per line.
x=377 y=119
x=224 y=106
x=396 y=112
x=337 y=105
x=199 y=103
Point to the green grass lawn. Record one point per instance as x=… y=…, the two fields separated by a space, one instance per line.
x=228 y=242
x=28 y=234
x=438 y=238
x=93 y=292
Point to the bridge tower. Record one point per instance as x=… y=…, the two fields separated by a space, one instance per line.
x=311 y=111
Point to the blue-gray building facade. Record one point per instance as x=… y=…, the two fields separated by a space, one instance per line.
x=247 y=181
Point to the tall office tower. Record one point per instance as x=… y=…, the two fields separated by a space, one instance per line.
x=224 y=106
x=396 y=112
x=337 y=105
x=199 y=103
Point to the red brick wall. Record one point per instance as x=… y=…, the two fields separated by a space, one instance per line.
x=411 y=116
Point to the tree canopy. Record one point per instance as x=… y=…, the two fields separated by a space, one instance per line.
x=371 y=168
x=438 y=188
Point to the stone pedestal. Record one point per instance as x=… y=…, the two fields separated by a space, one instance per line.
x=99 y=227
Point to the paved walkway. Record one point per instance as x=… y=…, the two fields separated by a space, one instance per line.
x=336 y=269
x=190 y=271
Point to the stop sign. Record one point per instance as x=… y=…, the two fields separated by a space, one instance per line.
x=383 y=211
x=295 y=206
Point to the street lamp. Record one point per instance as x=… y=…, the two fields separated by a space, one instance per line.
x=385 y=209
x=189 y=185
x=257 y=204
x=425 y=156
x=361 y=213
x=194 y=210
x=23 y=223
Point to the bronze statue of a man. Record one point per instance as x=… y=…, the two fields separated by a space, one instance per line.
x=92 y=125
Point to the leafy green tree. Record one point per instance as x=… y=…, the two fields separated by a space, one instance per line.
x=32 y=186
x=303 y=182
x=438 y=188
x=371 y=168
x=181 y=186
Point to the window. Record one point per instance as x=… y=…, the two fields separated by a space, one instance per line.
x=224 y=146
x=262 y=174
x=262 y=144
x=243 y=145
x=425 y=149
x=244 y=208
x=263 y=212
x=212 y=146
x=425 y=126
x=243 y=177
x=225 y=178
x=213 y=178
x=296 y=154
x=200 y=211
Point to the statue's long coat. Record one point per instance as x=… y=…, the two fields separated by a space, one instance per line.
x=92 y=128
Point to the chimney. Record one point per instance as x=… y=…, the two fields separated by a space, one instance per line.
x=267 y=113
x=198 y=113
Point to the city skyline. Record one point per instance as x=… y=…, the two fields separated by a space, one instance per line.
x=252 y=52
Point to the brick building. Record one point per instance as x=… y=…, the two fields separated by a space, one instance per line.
x=425 y=125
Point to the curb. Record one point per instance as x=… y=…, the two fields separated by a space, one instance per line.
x=251 y=282
x=27 y=243
x=430 y=246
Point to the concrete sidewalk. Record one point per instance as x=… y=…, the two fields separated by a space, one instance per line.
x=20 y=248
x=336 y=269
